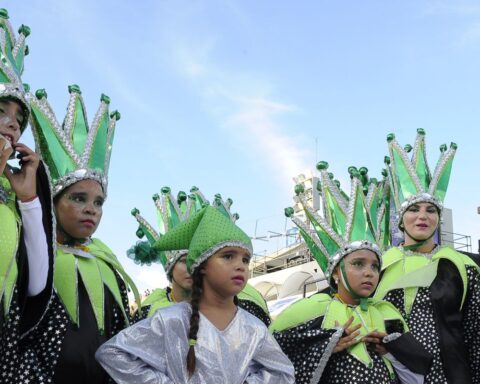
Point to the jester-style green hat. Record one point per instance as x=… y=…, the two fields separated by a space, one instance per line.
x=73 y=151
x=12 y=52
x=345 y=225
x=410 y=178
x=203 y=234
x=170 y=213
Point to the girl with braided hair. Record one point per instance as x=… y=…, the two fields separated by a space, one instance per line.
x=209 y=340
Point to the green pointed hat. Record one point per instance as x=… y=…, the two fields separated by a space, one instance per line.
x=170 y=213
x=73 y=151
x=12 y=53
x=340 y=230
x=410 y=178
x=204 y=234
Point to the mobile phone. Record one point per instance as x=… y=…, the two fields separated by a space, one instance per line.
x=394 y=326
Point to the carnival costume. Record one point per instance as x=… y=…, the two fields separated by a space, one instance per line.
x=26 y=228
x=308 y=331
x=89 y=303
x=170 y=213
x=438 y=293
x=154 y=350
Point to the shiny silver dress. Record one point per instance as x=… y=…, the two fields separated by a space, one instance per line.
x=154 y=351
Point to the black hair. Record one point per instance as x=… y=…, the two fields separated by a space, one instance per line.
x=197 y=289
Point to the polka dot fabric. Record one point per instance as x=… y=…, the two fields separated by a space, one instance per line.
x=423 y=326
x=306 y=344
x=255 y=310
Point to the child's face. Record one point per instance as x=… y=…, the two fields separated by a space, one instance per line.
x=180 y=274
x=226 y=272
x=79 y=208
x=11 y=120
x=362 y=269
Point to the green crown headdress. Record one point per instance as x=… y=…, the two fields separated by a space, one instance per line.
x=345 y=225
x=410 y=178
x=73 y=151
x=170 y=213
x=12 y=53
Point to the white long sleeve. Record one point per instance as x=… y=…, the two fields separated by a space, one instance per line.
x=404 y=374
x=36 y=245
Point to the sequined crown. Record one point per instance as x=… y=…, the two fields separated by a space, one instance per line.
x=73 y=151
x=410 y=178
x=170 y=213
x=345 y=225
x=12 y=53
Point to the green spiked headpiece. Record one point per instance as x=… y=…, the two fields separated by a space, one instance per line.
x=170 y=213
x=410 y=178
x=73 y=151
x=204 y=233
x=12 y=52
x=344 y=227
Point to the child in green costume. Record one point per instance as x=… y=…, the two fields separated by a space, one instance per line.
x=347 y=337
x=89 y=304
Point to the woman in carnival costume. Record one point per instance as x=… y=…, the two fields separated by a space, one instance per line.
x=209 y=340
x=347 y=337
x=435 y=288
x=90 y=303
x=170 y=213
x=26 y=227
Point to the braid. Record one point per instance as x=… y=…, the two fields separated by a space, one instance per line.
x=194 y=319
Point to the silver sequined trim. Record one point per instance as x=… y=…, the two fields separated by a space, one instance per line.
x=317 y=374
x=79 y=175
x=391 y=337
x=416 y=199
x=211 y=251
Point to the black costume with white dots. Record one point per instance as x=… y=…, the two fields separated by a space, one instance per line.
x=429 y=329
x=60 y=352
x=307 y=343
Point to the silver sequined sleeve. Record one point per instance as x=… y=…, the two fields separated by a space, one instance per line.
x=270 y=365
x=127 y=359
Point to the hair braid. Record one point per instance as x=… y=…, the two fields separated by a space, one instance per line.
x=194 y=319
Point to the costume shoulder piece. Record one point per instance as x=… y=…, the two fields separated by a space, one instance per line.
x=156 y=300
x=98 y=268
x=301 y=312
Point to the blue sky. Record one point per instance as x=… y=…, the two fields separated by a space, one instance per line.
x=231 y=96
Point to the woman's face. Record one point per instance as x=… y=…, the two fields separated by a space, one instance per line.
x=362 y=269
x=79 y=209
x=420 y=221
x=11 y=120
x=180 y=274
x=226 y=272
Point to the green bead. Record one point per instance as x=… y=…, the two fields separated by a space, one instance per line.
x=352 y=170
x=321 y=165
x=408 y=148
x=155 y=197
x=3 y=13
x=330 y=175
x=27 y=50
x=229 y=201
x=390 y=137
x=26 y=87
x=384 y=172
x=134 y=211
x=443 y=147
x=218 y=196
x=319 y=186
x=25 y=30
x=289 y=212
x=105 y=98
x=181 y=197
x=299 y=188
x=363 y=171
x=386 y=160
x=140 y=233
x=337 y=183
x=453 y=145
x=194 y=189
x=165 y=190
x=74 y=88
x=236 y=216
x=41 y=93
x=420 y=131
x=116 y=115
